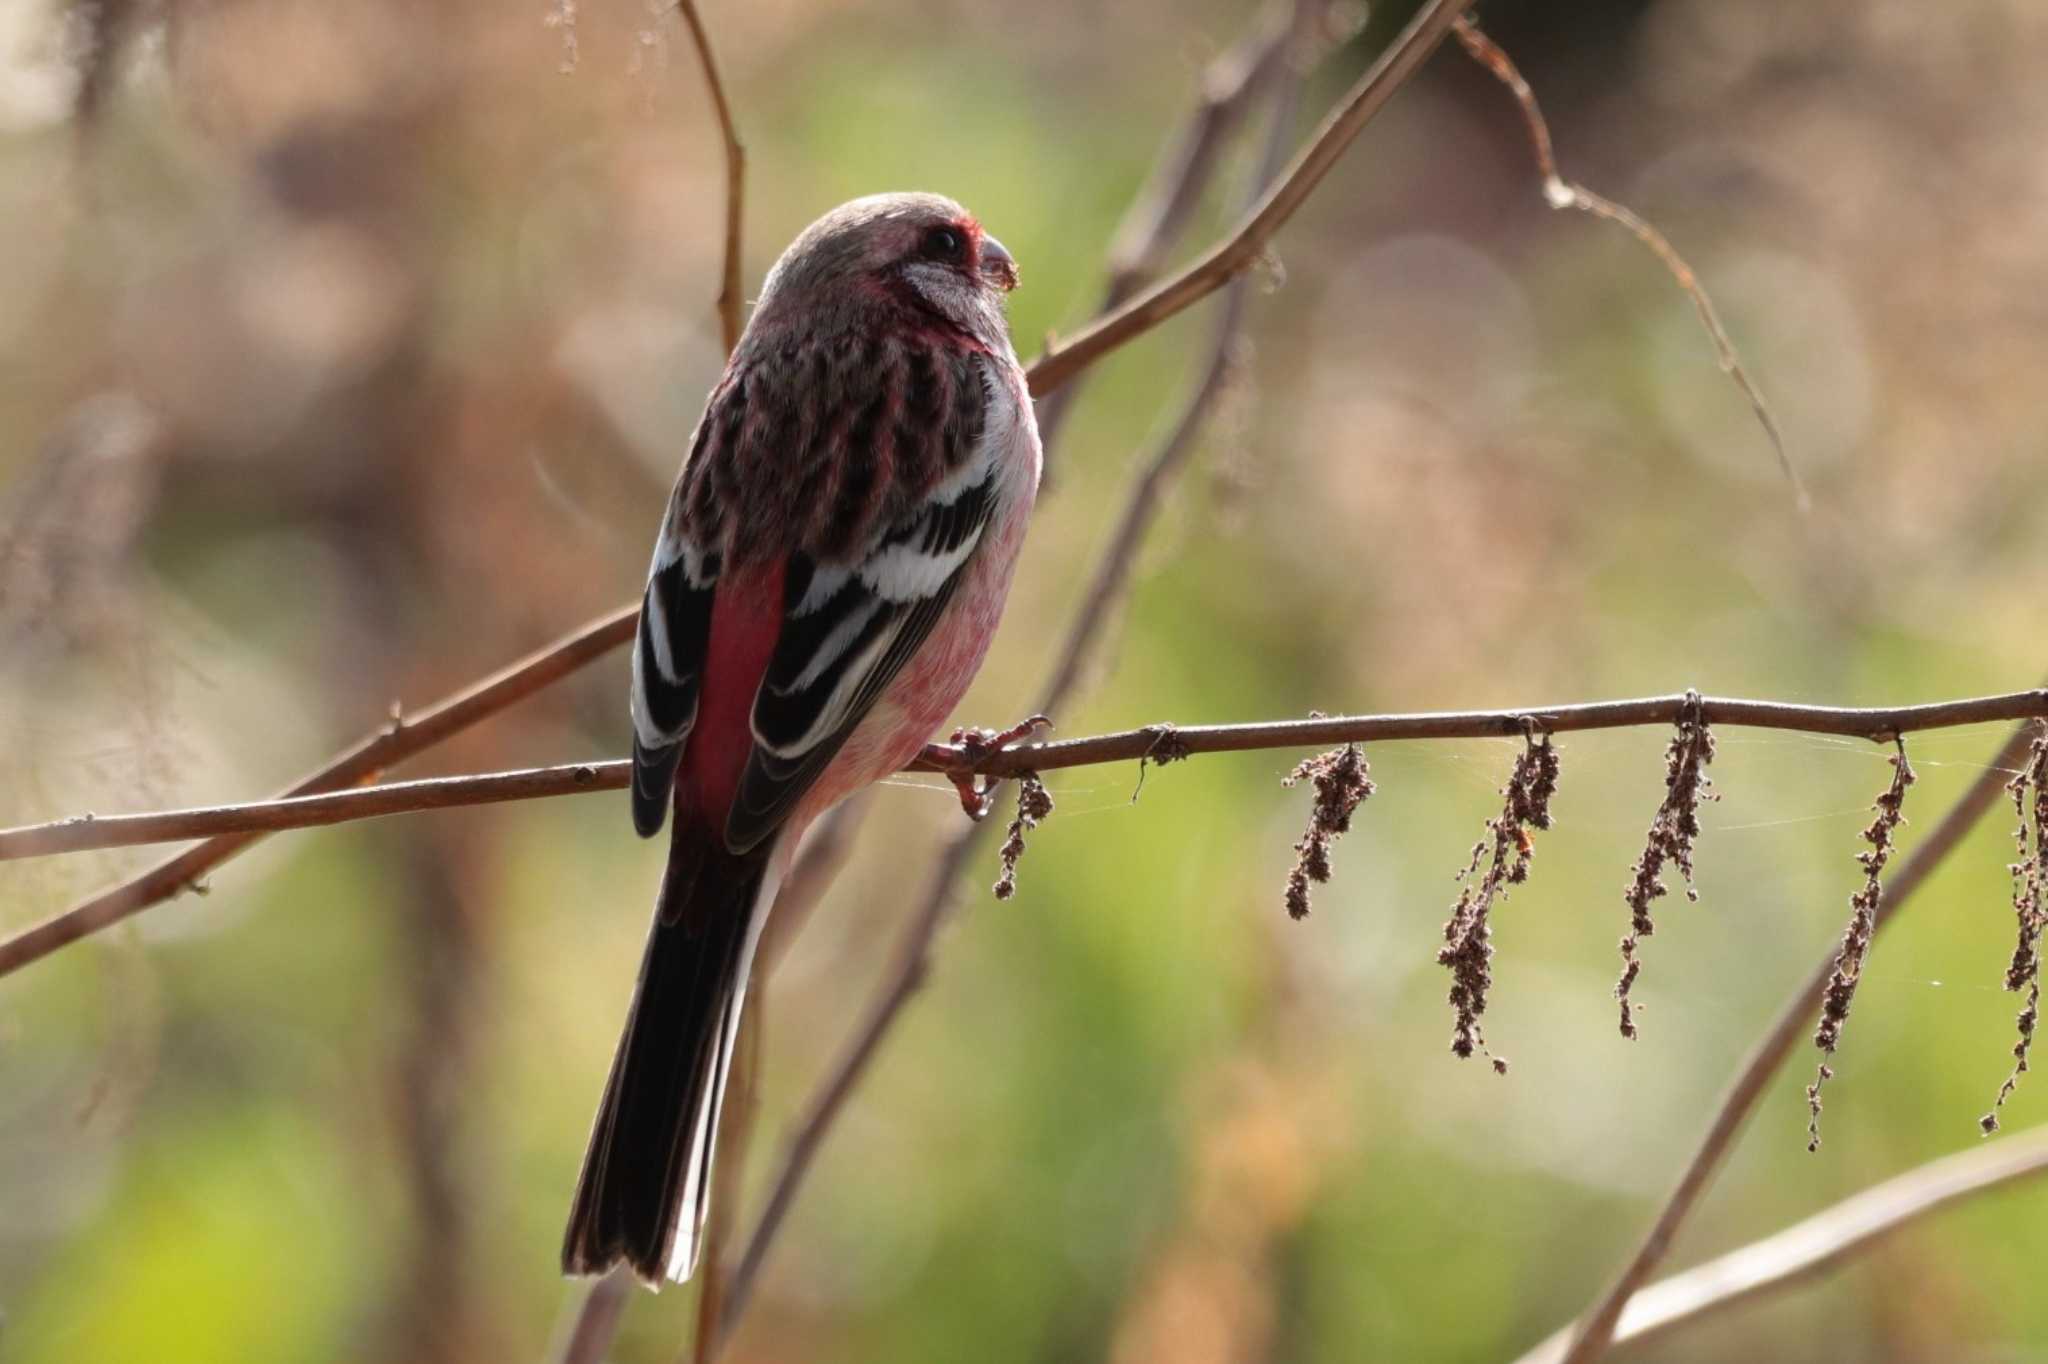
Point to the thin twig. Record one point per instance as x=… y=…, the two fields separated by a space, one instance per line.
x=826 y=849
x=1153 y=224
x=1561 y=193
x=1236 y=253
x=911 y=960
x=589 y=1335
x=1596 y=1329
x=1228 y=86
x=402 y=738
x=82 y=833
x=735 y=1136
x=1820 y=1243
x=729 y=292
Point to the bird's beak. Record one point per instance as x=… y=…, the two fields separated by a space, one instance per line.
x=998 y=264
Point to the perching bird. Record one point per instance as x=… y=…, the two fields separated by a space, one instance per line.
x=830 y=570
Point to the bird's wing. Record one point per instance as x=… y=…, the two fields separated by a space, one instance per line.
x=874 y=506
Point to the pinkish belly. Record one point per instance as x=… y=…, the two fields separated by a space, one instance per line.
x=918 y=702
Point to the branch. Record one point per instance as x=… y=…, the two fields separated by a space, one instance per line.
x=1878 y=724
x=220 y=823
x=82 y=833
x=589 y=1334
x=1062 y=360
x=401 y=739
x=909 y=965
x=827 y=847
x=1561 y=193
x=1818 y=1244
x=729 y=294
x=1794 y=1018
x=1228 y=86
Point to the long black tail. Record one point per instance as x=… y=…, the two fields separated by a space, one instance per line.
x=646 y=1179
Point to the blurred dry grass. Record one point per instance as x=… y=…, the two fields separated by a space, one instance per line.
x=350 y=354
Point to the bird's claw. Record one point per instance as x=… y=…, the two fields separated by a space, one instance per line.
x=976 y=745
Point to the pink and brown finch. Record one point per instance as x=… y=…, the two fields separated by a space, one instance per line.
x=829 y=573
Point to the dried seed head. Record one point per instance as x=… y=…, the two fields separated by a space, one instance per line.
x=1034 y=803
x=2029 y=791
x=1343 y=781
x=1864 y=907
x=1467 y=952
x=1674 y=832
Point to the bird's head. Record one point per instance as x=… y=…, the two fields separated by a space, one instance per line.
x=919 y=250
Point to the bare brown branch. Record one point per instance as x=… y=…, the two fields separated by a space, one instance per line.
x=1226 y=88
x=1878 y=724
x=245 y=822
x=1229 y=85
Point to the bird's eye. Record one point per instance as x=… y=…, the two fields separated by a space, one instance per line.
x=944 y=243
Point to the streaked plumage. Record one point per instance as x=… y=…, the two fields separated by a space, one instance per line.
x=830 y=569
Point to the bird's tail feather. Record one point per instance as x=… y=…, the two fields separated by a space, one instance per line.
x=646 y=1181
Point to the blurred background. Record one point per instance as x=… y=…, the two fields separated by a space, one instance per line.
x=346 y=352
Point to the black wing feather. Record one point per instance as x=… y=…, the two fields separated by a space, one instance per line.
x=789 y=753
x=668 y=671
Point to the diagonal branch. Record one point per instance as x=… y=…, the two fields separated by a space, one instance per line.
x=401 y=739
x=1596 y=1330
x=587 y=1337
x=87 y=832
x=1235 y=254
x=1228 y=86
x=1818 y=1244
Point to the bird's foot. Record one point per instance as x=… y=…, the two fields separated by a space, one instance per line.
x=976 y=746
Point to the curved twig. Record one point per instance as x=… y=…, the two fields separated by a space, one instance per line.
x=729 y=293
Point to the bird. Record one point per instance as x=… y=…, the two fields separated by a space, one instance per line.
x=830 y=569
